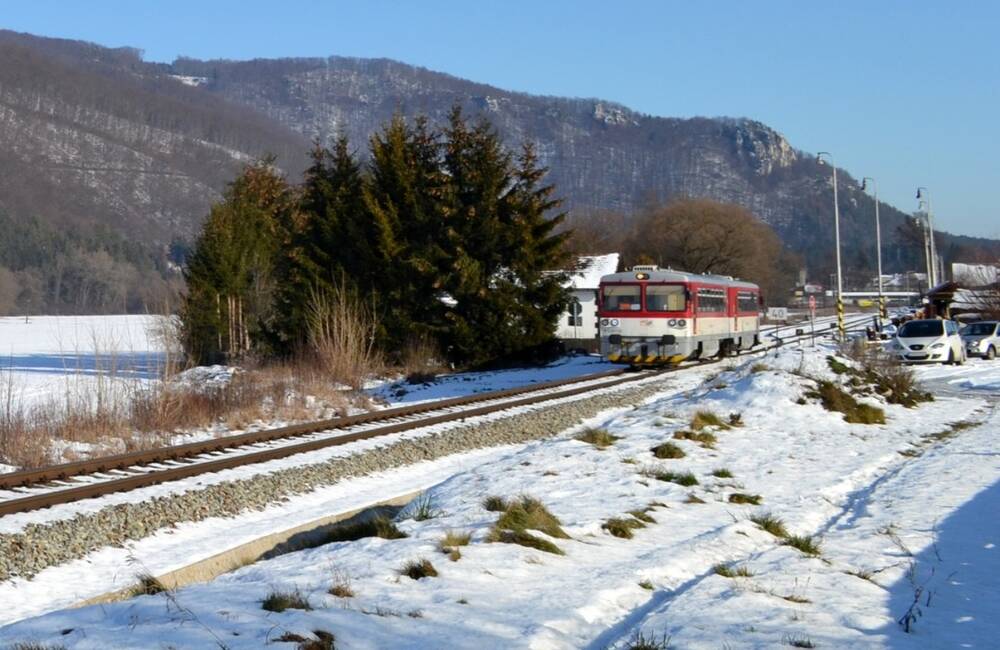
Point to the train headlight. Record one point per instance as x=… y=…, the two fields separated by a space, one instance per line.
x=681 y=322
x=604 y=322
x=614 y=322
x=672 y=322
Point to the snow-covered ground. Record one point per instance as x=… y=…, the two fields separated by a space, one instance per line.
x=59 y=363
x=44 y=356
x=904 y=512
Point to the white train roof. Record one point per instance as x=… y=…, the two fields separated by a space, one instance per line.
x=656 y=274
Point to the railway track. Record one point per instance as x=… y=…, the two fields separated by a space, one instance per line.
x=29 y=490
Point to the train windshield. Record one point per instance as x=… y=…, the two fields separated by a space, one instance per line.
x=665 y=297
x=622 y=297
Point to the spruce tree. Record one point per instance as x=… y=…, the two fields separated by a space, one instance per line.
x=501 y=243
x=230 y=274
x=330 y=243
x=405 y=200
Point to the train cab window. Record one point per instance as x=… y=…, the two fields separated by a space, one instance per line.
x=746 y=301
x=665 y=297
x=711 y=300
x=622 y=297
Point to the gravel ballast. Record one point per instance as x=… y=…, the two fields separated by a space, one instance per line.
x=39 y=546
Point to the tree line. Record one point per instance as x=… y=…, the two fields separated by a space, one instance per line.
x=442 y=235
x=45 y=269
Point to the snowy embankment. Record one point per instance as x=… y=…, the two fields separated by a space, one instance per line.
x=898 y=510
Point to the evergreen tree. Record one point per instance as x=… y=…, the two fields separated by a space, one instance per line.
x=405 y=200
x=230 y=272
x=330 y=242
x=501 y=244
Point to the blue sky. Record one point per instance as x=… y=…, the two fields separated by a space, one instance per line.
x=906 y=92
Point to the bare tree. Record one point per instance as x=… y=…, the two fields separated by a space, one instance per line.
x=703 y=236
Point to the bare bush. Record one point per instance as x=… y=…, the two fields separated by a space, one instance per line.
x=421 y=361
x=342 y=335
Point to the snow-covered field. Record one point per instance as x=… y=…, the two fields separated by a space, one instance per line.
x=44 y=356
x=906 y=514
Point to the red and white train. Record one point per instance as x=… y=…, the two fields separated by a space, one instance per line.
x=652 y=316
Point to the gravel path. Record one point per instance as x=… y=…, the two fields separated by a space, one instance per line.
x=39 y=546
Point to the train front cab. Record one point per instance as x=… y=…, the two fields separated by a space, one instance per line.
x=645 y=323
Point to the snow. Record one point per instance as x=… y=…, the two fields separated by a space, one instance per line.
x=590 y=269
x=468 y=383
x=890 y=502
x=46 y=357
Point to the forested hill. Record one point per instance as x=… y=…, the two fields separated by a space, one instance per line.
x=602 y=156
x=92 y=135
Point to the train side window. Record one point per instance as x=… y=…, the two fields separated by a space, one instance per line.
x=665 y=297
x=711 y=300
x=624 y=297
x=746 y=301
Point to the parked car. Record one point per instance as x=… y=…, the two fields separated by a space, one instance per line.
x=929 y=341
x=982 y=339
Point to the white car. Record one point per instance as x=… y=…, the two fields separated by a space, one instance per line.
x=929 y=341
x=982 y=339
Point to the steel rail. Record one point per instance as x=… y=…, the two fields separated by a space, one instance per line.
x=126 y=483
x=179 y=452
x=190 y=451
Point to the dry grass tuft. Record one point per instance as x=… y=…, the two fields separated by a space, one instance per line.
x=418 y=569
x=808 y=545
x=727 y=571
x=495 y=504
x=722 y=472
x=279 y=601
x=667 y=450
x=745 y=499
x=703 y=419
x=378 y=526
x=521 y=515
x=639 y=641
x=686 y=479
x=834 y=398
x=450 y=543
x=600 y=438
x=622 y=526
x=771 y=524
x=704 y=438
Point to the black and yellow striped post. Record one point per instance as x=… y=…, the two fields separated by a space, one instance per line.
x=840 y=317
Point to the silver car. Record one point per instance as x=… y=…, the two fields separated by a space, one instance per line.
x=929 y=341
x=982 y=339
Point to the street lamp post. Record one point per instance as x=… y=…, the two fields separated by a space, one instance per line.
x=836 y=234
x=878 y=243
x=921 y=217
x=933 y=279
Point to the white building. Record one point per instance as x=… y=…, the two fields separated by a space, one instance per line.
x=578 y=324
